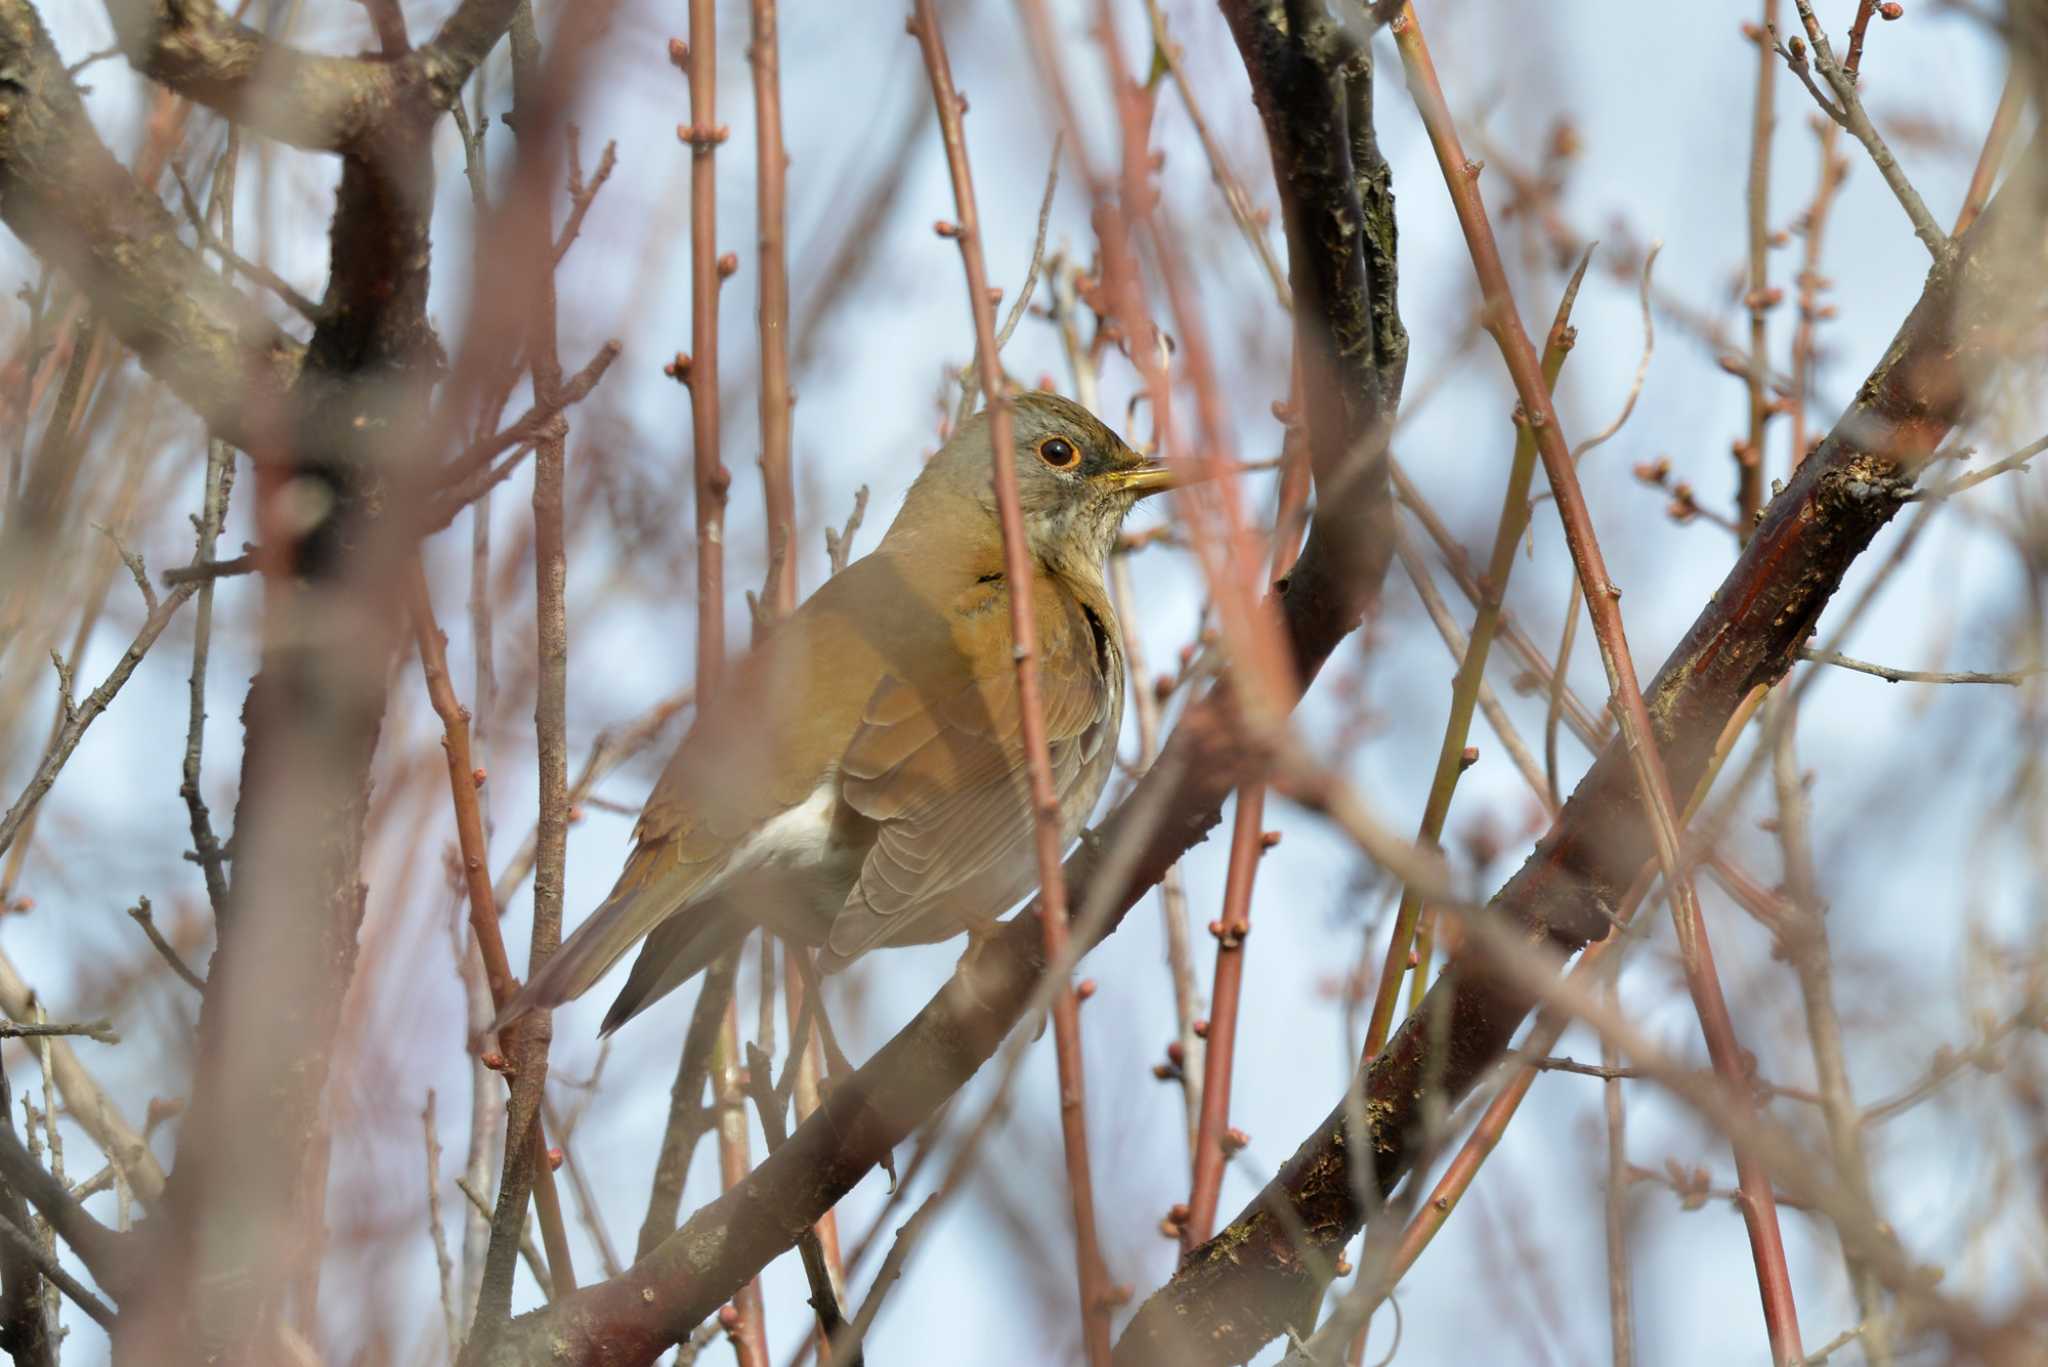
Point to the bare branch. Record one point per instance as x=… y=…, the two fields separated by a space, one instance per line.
x=332 y=104
x=78 y=209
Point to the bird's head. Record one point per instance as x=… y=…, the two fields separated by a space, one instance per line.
x=1076 y=481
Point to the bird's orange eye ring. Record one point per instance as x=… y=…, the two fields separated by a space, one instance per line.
x=1058 y=452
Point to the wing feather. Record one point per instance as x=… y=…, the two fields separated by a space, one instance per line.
x=942 y=772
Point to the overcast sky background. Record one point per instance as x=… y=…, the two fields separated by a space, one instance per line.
x=1907 y=804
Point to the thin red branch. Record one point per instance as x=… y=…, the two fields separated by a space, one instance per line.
x=1018 y=571
x=472 y=848
x=1603 y=603
x=708 y=271
x=1213 y=1140
x=771 y=165
x=1408 y=932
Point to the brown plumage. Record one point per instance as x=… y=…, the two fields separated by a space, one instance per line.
x=859 y=779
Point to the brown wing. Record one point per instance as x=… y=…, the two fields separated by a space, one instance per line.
x=941 y=769
x=777 y=726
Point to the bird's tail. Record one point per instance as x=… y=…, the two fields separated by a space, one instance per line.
x=679 y=949
x=632 y=910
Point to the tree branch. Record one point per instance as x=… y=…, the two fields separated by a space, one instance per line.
x=1258 y=1278
x=632 y=1318
x=320 y=103
x=71 y=203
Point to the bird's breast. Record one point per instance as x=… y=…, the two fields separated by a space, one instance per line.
x=797 y=866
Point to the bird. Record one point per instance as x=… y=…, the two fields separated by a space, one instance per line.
x=858 y=779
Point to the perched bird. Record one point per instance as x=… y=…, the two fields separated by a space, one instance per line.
x=859 y=777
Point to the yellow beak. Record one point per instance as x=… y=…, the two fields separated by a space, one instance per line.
x=1144 y=480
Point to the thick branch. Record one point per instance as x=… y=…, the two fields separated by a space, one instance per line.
x=332 y=104
x=63 y=194
x=1256 y=1279
x=632 y=1318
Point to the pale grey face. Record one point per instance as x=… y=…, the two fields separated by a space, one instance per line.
x=1076 y=479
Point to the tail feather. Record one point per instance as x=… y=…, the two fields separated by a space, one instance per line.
x=678 y=950
x=589 y=953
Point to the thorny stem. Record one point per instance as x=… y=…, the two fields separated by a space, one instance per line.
x=1018 y=571
x=1602 y=599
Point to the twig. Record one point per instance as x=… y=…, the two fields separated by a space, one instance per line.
x=471 y=474
x=839 y=544
x=771 y=1102
x=607 y=752
x=1458 y=1176
x=24 y=1327
x=2018 y=460
x=1820 y=1356
x=687 y=1117
x=1093 y=1278
x=1646 y=760
x=220 y=479
x=1234 y=196
x=1996 y=140
x=1214 y=1140
x=1749 y=455
x=246 y=563
x=970 y=374
x=81 y=714
x=442 y=1264
x=581 y=193
x=528 y=1250
x=1450 y=765
x=771 y=165
x=587 y=1208
x=1635 y=388
x=1802 y=937
x=483 y=911
x=2011 y=678
x=100 y=1031
x=1848 y=112
x=53 y=1271
x=892 y=1268
x=749 y=1331
x=1860 y=25
x=1455 y=640
x=234 y=262
x=1620 y=1300
x=141 y=913
x=1813 y=228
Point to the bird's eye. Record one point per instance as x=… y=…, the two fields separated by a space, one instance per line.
x=1058 y=452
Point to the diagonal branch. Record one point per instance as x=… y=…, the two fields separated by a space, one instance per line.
x=1019 y=573
x=71 y=203
x=657 y=1301
x=1257 y=1278
x=320 y=103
